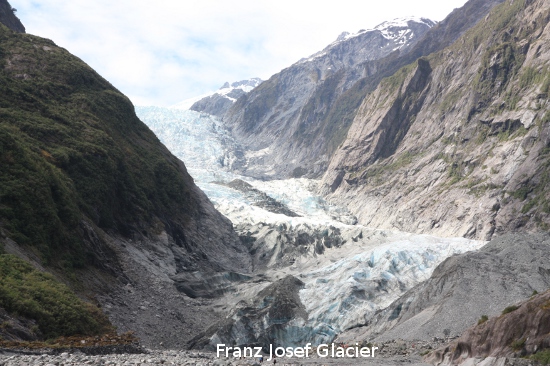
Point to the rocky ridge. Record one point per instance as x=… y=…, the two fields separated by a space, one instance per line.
x=455 y=143
x=283 y=122
x=317 y=99
x=521 y=330
x=220 y=101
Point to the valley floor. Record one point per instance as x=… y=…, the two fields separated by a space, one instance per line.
x=189 y=358
x=192 y=358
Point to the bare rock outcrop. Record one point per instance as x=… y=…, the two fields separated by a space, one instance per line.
x=455 y=144
x=520 y=331
x=290 y=123
x=276 y=313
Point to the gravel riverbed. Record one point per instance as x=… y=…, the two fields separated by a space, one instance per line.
x=389 y=353
x=183 y=358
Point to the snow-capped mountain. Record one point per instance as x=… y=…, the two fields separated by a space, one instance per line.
x=299 y=116
x=218 y=102
x=397 y=33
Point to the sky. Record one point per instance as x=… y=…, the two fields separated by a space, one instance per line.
x=165 y=51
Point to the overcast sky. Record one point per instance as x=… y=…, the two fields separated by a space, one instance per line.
x=165 y=51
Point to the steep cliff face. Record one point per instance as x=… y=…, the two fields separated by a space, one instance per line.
x=285 y=121
x=296 y=120
x=88 y=191
x=456 y=143
x=8 y=18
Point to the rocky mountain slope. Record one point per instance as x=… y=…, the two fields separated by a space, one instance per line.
x=456 y=143
x=521 y=330
x=286 y=119
x=464 y=288
x=220 y=101
x=299 y=117
x=89 y=193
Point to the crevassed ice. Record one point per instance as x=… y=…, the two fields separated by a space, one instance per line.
x=343 y=287
x=345 y=294
x=204 y=145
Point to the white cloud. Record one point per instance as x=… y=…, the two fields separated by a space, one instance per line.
x=166 y=51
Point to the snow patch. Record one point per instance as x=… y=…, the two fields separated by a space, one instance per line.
x=397 y=30
x=245 y=85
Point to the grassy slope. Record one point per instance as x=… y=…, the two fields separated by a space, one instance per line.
x=36 y=295
x=73 y=155
x=71 y=147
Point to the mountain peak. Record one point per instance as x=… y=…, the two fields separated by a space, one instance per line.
x=343 y=36
x=392 y=29
x=217 y=103
x=244 y=85
x=404 y=23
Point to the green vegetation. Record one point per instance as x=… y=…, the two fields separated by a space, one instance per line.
x=395 y=81
x=545 y=88
x=319 y=102
x=503 y=58
x=483 y=319
x=518 y=344
x=266 y=96
x=499 y=65
x=509 y=309
x=450 y=100
x=72 y=148
x=527 y=207
x=455 y=172
x=27 y=292
x=511 y=132
x=478 y=189
x=482 y=132
x=521 y=193
x=379 y=172
x=543 y=357
x=500 y=19
x=531 y=77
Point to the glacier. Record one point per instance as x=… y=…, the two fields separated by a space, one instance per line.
x=349 y=271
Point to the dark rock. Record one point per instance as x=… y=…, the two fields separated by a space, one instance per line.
x=8 y=17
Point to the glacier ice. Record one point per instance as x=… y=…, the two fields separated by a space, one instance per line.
x=345 y=283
